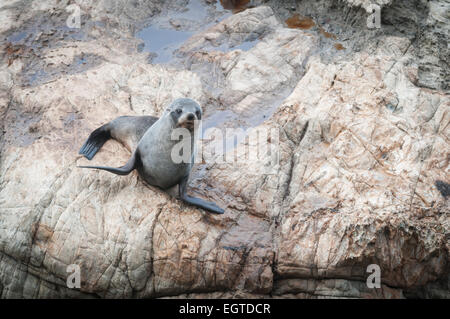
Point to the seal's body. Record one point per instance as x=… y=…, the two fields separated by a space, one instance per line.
x=153 y=156
x=155 y=150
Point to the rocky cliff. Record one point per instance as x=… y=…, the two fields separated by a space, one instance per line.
x=362 y=175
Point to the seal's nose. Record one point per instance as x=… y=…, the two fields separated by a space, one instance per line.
x=191 y=117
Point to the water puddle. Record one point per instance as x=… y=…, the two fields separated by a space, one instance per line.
x=38 y=73
x=17 y=37
x=38 y=35
x=162 y=42
x=167 y=32
x=44 y=33
x=171 y=29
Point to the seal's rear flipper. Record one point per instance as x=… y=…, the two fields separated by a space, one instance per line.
x=124 y=170
x=95 y=142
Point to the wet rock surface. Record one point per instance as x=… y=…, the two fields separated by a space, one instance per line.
x=363 y=151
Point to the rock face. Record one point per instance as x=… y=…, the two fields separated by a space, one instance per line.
x=362 y=172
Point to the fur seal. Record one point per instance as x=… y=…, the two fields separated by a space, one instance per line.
x=152 y=157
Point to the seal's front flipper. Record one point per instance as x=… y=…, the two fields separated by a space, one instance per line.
x=95 y=141
x=124 y=170
x=209 y=206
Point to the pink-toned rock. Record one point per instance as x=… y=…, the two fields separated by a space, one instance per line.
x=358 y=173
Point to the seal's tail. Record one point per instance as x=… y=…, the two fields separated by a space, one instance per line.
x=95 y=142
x=124 y=170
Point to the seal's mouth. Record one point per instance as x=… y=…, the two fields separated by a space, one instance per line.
x=189 y=124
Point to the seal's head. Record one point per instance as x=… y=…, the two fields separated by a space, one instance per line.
x=185 y=113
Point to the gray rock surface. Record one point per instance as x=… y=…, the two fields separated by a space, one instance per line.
x=362 y=175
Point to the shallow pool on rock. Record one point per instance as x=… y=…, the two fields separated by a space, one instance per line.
x=168 y=31
x=163 y=42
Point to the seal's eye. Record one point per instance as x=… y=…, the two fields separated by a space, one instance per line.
x=198 y=114
x=179 y=111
